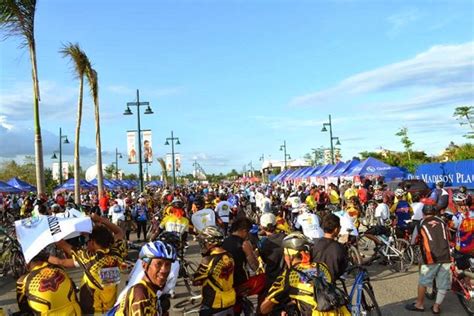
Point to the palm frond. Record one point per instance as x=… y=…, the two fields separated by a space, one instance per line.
x=17 y=17
x=78 y=57
x=93 y=80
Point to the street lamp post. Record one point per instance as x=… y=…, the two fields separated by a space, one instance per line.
x=287 y=156
x=172 y=139
x=117 y=156
x=331 y=137
x=66 y=141
x=129 y=112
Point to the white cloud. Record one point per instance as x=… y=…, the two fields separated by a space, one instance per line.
x=148 y=93
x=438 y=67
x=401 y=20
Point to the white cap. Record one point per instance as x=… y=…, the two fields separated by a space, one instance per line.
x=267 y=219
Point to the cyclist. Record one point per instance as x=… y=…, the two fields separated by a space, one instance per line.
x=440 y=196
x=175 y=222
x=436 y=259
x=215 y=274
x=295 y=283
x=223 y=210
x=308 y=223
x=402 y=209
x=328 y=250
x=101 y=264
x=141 y=299
x=348 y=229
x=382 y=211
x=203 y=217
x=46 y=289
x=140 y=214
x=463 y=224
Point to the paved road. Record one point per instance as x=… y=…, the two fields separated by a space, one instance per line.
x=392 y=290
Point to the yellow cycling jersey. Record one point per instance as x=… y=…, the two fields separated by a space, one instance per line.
x=295 y=284
x=216 y=274
x=47 y=290
x=173 y=223
x=282 y=225
x=334 y=197
x=140 y=300
x=311 y=202
x=98 y=290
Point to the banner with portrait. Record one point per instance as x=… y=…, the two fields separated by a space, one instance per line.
x=177 y=162
x=147 y=147
x=169 y=163
x=65 y=170
x=131 y=146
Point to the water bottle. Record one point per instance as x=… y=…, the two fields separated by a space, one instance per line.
x=391 y=240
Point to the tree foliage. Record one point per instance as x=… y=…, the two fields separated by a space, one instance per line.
x=465 y=116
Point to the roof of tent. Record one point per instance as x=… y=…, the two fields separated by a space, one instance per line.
x=308 y=172
x=329 y=171
x=69 y=185
x=322 y=170
x=297 y=174
x=288 y=174
x=314 y=171
x=373 y=167
x=281 y=174
x=6 y=188
x=20 y=184
x=347 y=166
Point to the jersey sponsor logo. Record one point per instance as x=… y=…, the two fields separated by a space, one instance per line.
x=227 y=269
x=52 y=283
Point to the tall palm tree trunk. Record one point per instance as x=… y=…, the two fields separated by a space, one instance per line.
x=100 y=175
x=77 y=165
x=39 y=164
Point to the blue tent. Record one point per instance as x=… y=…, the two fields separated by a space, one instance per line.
x=22 y=185
x=322 y=170
x=455 y=173
x=286 y=176
x=6 y=188
x=69 y=185
x=281 y=174
x=346 y=167
x=374 y=167
x=155 y=183
x=109 y=184
x=297 y=174
x=328 y=172
x=314 y=171
x=308 y=172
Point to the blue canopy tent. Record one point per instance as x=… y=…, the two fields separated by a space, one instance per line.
x=374 y=167
x=22 y=185
x=155 y=183
x=307 y=173
x=6 y=188
x=328 y=172
x=281 y=174
x=322 y=170
x=314 y=171
x=288 y=175
x=108 y=184
x=347 y=166
x=69 y=185
x=454 y=174
x=296 y=175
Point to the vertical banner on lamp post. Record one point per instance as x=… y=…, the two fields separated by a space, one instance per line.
x=177 y=162
x=65 y=170
x=147 y=147
x=131 y=146
x=169 y=163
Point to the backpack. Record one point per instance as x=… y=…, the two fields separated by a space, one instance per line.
x=327 y=296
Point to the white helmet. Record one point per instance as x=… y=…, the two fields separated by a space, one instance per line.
x=157 y=250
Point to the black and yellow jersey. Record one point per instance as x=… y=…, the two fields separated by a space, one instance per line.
x=295 y=283
x=47 y=290
x=140 y=300
x=216 y=274
x=101 y=277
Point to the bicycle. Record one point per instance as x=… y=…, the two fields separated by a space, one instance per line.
x=187 y=269
x=361 y=297
x=461 y=284
x=397 y=252
x=11 y=257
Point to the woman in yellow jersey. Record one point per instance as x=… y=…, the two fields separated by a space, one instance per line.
x=215 y=275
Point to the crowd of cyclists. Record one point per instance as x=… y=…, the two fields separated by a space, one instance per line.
x=283 y=243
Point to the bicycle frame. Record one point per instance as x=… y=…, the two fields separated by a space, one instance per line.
x=357 y=286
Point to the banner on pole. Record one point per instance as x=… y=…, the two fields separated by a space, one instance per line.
x=131 y=146
x=147 y=147
x=65 y=170
x=169 y=163
x=177 y=162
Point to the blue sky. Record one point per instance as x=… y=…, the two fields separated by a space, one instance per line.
x=233 y=79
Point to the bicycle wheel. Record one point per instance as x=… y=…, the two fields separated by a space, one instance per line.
x=465 y=297
x=405 y=259
x=188 y=270
x=368 y=301
x=354 y=256
x=17 y=264
x=366 y=247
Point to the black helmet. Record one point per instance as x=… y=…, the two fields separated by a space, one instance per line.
x=332 y=208
x=211 y=235
x=297 y=241
x=199 y=202
x=171 y=238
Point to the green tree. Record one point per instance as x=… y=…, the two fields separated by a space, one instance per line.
x=17 y=19
x=109 y=172
x=407 y=143
x=81 y=64
x=458 y=152
x=93 y=80
x=465 y=116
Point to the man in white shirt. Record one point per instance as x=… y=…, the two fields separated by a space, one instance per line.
x=116 y=213
x=203 y=217
x=382 y=212
x=223 y=210
x=417 y=208
x=309 y=223
x=347 y=225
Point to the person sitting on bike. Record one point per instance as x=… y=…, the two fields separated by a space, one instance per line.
x=463 y=224
x=295 y=284
x=223 y=210
x=101 y=262
x=141 y=299
x=215 y=274
x=402 y=210
x=308 y=223
x=46 y=289
x=348 y=229
x=328 y=250
x=436 y=258
x=175 y=222
x=353 y=210
x=382 y=211
x=203 y=217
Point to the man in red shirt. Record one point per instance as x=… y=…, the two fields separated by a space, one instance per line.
x=362 y=193
x=60 y=200
x=104 y=204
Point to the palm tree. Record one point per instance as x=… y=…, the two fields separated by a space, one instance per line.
x=17 y=18
x=164 y=172
x=93 y=80
x=81 y=64
x=465 y=114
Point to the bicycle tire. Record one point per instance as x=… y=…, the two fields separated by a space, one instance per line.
x=467 y=304
x=17 y=264
x=190 y=268
x=406 y=259
x=180 y=306
x=354 y=256
x=368 y=301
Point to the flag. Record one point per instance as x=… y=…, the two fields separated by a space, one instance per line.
x=147 y=147
x=177 y=162
x=37 y=232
